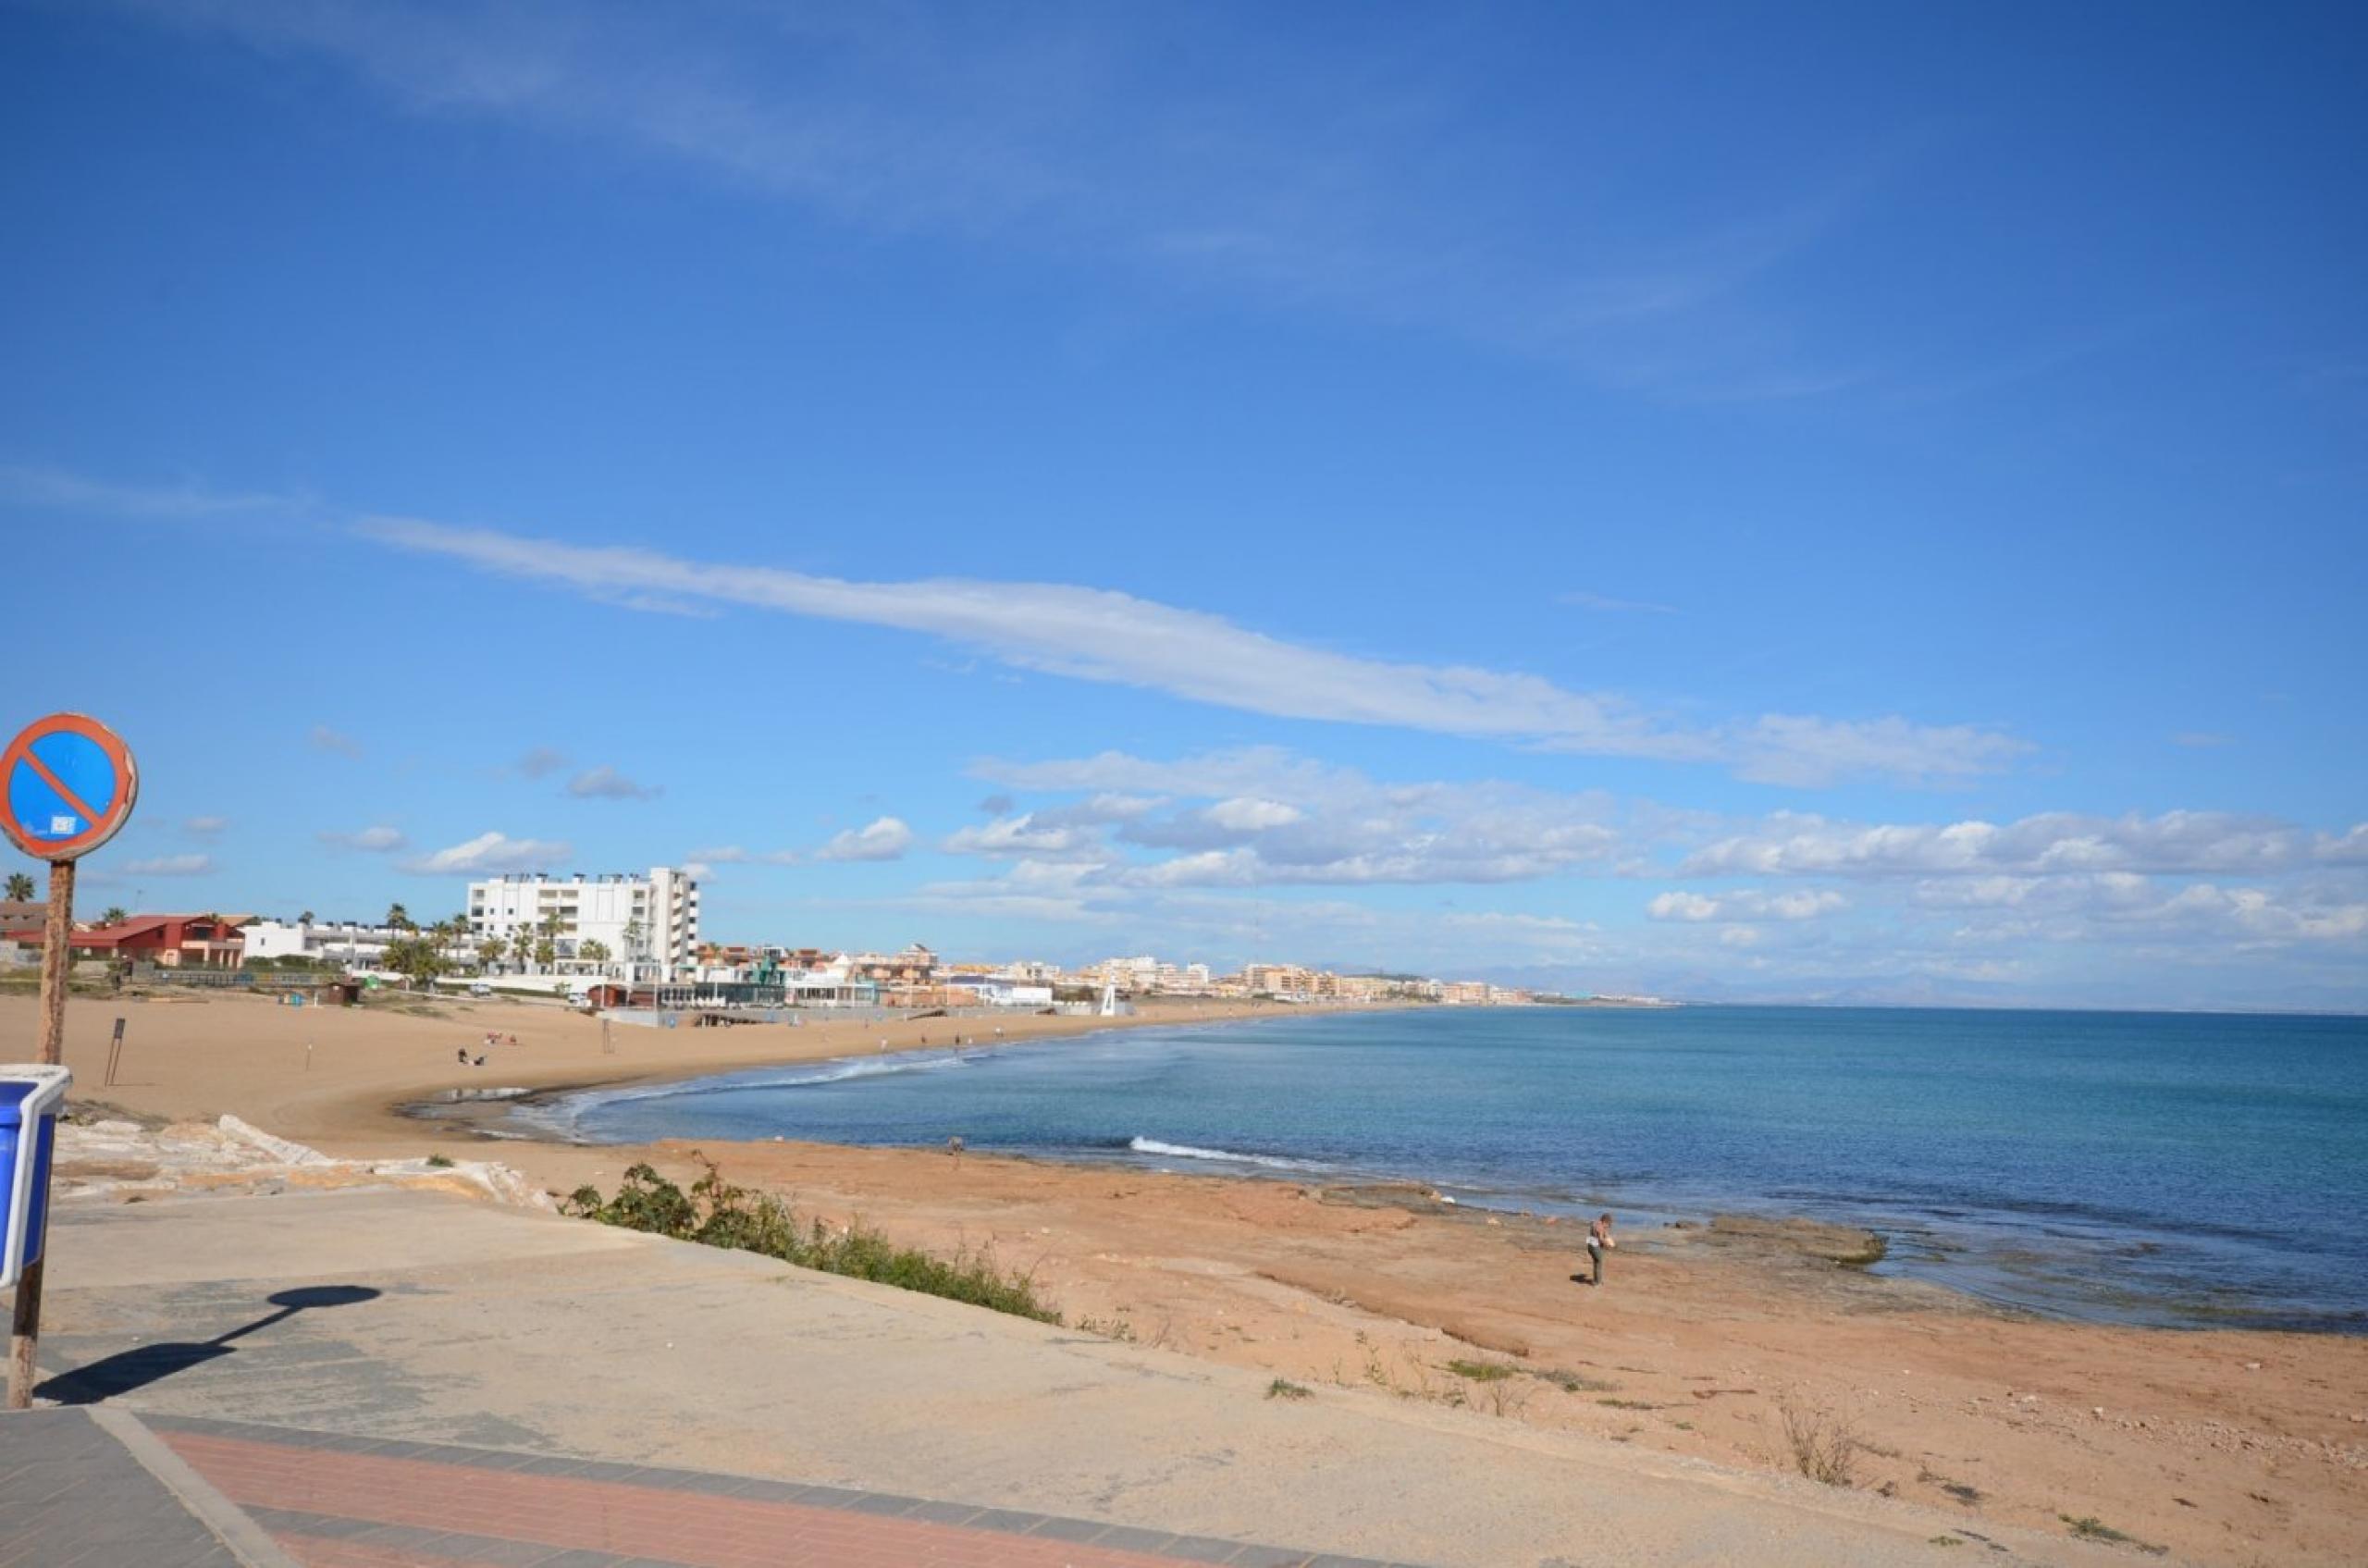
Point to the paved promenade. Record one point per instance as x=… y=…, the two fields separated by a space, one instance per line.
x=644 y=1385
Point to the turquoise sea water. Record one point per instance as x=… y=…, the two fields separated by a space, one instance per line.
x=2178 y=1169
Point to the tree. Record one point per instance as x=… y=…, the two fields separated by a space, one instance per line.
x=595 y=951
x=416 y=958
x=522 y=946
x=305 y=918
x=113 y=915
x=492 y=951
x=546 y=952
x=399 y=917
x=20 y=888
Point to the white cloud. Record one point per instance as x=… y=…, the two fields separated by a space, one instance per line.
x=885 y=839
x=2208 y=842
x=205 y=827
x=376 y=840
x=1582 y=598
x=1100 y=635
x=1247 y=814
x=491 y=854
x=1023 y=835
x=605 y=782
x=1275 y=819
x=324 y=738
x=189 y=501
x=168 y=866
x=1748 y=905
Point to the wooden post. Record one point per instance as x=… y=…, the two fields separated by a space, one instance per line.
x=57 y=964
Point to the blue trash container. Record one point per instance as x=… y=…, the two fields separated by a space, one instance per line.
x=30 y=1097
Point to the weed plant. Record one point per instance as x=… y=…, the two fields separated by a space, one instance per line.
x=717 y=1213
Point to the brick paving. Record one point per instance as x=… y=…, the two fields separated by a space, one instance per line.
x=337 y=1502
x=71 y=1493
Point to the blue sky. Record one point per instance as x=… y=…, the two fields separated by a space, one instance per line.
x=1847 y=503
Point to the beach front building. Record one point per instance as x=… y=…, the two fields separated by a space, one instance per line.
x=648 y=923
x=330 y=943
x=208 y=941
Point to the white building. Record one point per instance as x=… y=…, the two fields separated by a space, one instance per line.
x=648 y=923
x=327 y=942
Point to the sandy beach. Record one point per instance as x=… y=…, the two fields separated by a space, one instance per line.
x=2224 y=1447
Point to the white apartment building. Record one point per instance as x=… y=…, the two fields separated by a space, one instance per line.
x=330 y=942
x=650 y=923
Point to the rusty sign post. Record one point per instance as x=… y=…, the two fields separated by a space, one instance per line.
x=69 y=784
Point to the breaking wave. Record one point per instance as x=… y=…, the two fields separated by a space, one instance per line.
x=1188 y=1151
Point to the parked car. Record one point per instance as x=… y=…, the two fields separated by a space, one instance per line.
x=480 y=988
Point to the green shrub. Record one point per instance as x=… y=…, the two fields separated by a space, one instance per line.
x=1480 y=1371
x=717 y=1213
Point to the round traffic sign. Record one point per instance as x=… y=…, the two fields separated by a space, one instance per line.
x=70 y=784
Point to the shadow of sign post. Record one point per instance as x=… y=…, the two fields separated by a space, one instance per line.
x=127 y=1370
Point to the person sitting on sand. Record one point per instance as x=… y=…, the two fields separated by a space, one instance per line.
x=1599 y=1242
x=464 y=1056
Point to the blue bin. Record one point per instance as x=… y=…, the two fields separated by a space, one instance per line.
x=29 y=1101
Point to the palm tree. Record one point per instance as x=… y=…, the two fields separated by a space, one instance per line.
x=523 y=945
x=305 y=918
x=492 y=951
x=113 y=915
x=595 y=952
x=20 y=888
x=399 y=917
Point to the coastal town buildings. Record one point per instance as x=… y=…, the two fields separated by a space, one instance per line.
x=348 y=942
x=648 y=923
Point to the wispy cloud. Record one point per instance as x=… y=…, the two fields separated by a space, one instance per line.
x=1584 y=599
x=324 y=738
x=168 y=866
x=380 y=840
x=1745 y=906
x=542 y=761
x=605 y=782
x=205 y=827
x=1371 y=188
x=490 y=854
x=2055 y=842
x=37 y=486
x=1100 y=635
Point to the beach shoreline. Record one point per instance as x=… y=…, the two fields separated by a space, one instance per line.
x=2228 y=1446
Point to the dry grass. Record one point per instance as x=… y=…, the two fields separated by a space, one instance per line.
x=1823 y=1444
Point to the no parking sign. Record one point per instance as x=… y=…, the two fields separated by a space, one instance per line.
x=67 y=786
x=70 y=784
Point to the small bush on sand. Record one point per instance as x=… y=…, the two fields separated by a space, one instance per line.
x=716 y=1213
x=2088 y=1527
x=1284 y=1389
x=1823 y=1446
x=1480 y=1371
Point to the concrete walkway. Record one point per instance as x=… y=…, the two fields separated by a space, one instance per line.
x=94 y=1489
x=406 y=1316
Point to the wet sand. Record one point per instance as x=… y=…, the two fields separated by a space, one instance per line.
x=2226 y=1447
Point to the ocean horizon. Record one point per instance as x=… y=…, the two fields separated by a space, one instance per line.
x=2173 y=1169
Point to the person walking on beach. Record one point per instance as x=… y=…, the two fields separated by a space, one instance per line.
x=1599 y=1242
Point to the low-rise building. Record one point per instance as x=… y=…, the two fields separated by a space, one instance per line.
x=209 y=941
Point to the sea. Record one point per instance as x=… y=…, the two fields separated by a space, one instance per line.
x=2182 y=1170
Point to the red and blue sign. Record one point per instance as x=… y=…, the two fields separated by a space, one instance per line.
x=69 y=782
